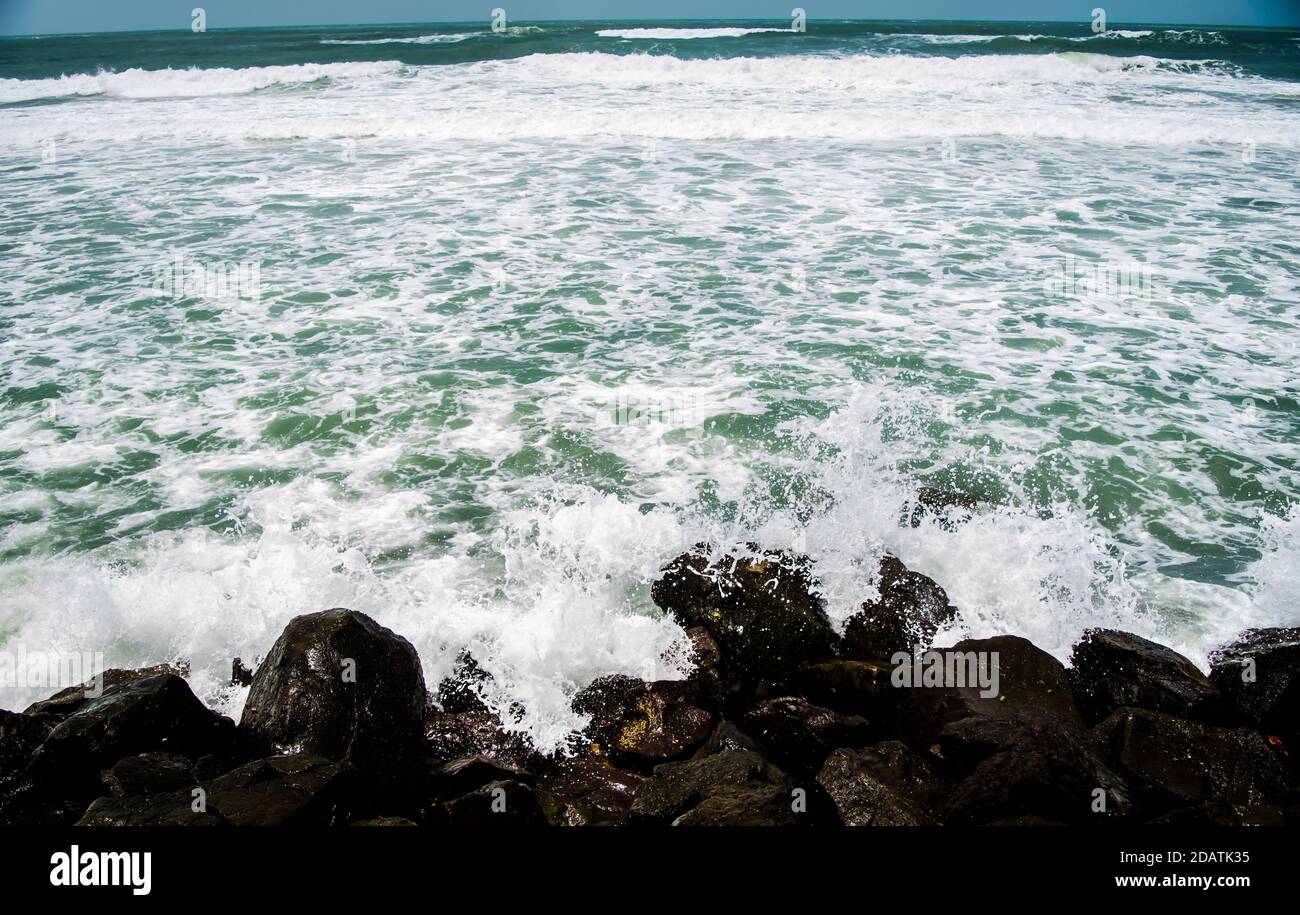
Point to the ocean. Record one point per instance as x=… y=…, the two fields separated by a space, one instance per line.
x=473 y=329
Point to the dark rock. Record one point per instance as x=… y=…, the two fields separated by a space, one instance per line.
x=799 y=735
x=1028 y=678
x=20 y=735
x=675 y=788
x=726 y=736
x=1031 y=765
x=450 y=736
x=1268 y=695
x=463 y=690
x=503 y=803
x=1111 y=670
x=149 y=773
x=640 y=724
x=754 y=806
x=910 y=610
x=1176 y=763
x=154 y=714
x=296 y=790
x=461 y=776
x=855 y=687
x=591 y=790
x=885 y=785
x=339 y=685
x=947 y=507
x=66 y=701
x=385 y=821
x=1218 y=813
x=240 y=675
x=760 y=609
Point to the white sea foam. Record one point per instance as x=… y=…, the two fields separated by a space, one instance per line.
x=415 y=39
x=683 y=33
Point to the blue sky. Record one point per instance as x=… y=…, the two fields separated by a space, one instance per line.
x=49 y=16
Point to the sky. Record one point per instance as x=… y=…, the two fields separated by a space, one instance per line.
x=35 y=17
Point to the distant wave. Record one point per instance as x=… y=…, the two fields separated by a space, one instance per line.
x=681 y=33
x=418 y=39
x=191 y=83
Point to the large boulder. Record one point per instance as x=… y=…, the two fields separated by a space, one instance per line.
x=1027 y=678
x=154 y=714
x=294 y=790
x=1111 y=670
x=499 y=803
x=641 y=724
x=1259 y=673
x=1174 y=763
x=149 y=773
x=884 y=785
x=761 y=609
x=799 y=735
x=909 y=611
x=339 y=685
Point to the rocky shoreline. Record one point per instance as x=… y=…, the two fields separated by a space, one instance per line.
x=783 y=721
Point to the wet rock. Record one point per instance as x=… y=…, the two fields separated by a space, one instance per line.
x=676 y=788
x=799 y=735
x=1218 y=813
x=885 y=785
x=461 y=776
x=339 y=685
x=760 y=609
x=501 y=803
x=1111 y=669
x=296 y=790
x=385 y=821
x=149 y=773
x=948 y=507
x=240 y=675
x=66 y=701
x=1176 y=763
x=756 y=806
x=20 y=735
x=1267 y=691
x=909 y=611
x=726 y=736
x=463 y=690
x=154 y=714
x=1038 y=767
x=591 y=790
x=1028 y=679
x=640 y=724
x=450 y=736
x=854 y=687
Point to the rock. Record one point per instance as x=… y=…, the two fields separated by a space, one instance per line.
x=676 y=788
x=886 y=785
x=947 y=507
x=640 y=724
x=756 y=806
x=149 y=773
x=450 y=736
x=1176 y=763
x=909 y=611
x=854 y=687
x=1271 y=700
x=799 y=735
x=339 y=685
x=1028 y=678
x=461 y=776
x=20 y=735
x=154 y=714
x=240 y=675
x=295 y=790
x=501 y=803
x=591 y=790
x=726 y=736
x=1218 y=813
x=385 y=821
x=462 y=691
x=760 y=609
x=1111 y=669
x=66 y=701
x=1038 y=767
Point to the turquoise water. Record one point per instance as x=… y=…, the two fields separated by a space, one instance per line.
x=472 y=330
